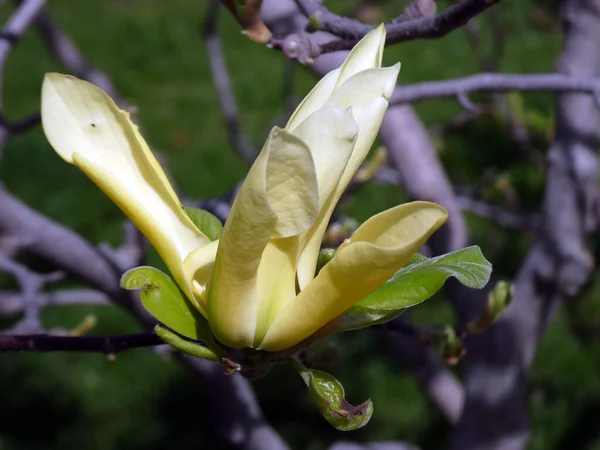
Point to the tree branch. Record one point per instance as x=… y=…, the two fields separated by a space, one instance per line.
x=12 y=31
x=13 y=302
x=109 y=345
x=428 y=27
x=69 y=56
x=557 y=265
x=496 y=82
x=223 y=84
x=442 y=386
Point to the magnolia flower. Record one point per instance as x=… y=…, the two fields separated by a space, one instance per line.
x=257 y=284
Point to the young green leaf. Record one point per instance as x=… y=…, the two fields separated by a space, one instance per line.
x=416 y=282
x=498 y=299
x=187 y=347
x=163 y=299
x=329 y=393
x=205 y=221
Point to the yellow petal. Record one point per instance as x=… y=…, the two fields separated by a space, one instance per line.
x=199 y=266
x=87 y=129
x=360 y=90
x=375 y=252
x=279 y=198
x=330 y=134
x=366 y=54
x=315 y=99
x=276 y=282
x=367 y=93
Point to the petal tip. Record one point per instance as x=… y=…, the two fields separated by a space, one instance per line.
x=391 y=83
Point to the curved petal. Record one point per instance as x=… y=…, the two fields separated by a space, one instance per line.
x=87 y=129
x=375 y=252
x=331 y=135
x=315 y=99
x=279 y=198
x=199 y=266
x=379 y=83
x=361 y=89
x=366 y=54
x=276 y=282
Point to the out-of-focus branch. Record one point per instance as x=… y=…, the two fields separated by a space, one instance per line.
x=427 y=27
x=240 y=421
x=503 y=217
x=20 y=125
x=109 y=345
x=558 y=264
x=30 y=283
x=499 y=215
x=62 y=247
x=27 y=11
x=13 y=302
x=344 y=445
x=222 y=83
x=17 y=24
x=441 y=385
x=496 y=82
x=69 y=56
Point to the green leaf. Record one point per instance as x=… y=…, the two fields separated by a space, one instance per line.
x=164 y=300
x=190 y=348
x=329 y=393
x=416 y=282
x=205 y=221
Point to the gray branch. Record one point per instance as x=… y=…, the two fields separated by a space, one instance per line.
x=223 y=84
x=496 y=82
x=12 y=31
x=12 y=303
x=399 y=30
x=557 y=266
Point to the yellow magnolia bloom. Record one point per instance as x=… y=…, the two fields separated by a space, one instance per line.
x=257 y=285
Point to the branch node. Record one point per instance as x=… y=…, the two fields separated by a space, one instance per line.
x=466 y=103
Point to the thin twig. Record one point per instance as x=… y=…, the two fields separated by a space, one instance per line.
x=69 y=56
x=109 y=345
x=13 y=302
x=495 y=82
x=30 y=284
x=428 y=27
x=223 y=84
x=16 y=25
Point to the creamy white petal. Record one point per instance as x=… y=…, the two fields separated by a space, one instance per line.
x=87 y=129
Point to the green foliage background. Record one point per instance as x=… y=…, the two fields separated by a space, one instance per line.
x=153 y=52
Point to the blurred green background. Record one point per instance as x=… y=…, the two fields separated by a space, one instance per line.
x=153 y=52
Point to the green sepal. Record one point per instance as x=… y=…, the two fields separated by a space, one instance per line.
x=420 y=279
x=163 y=299
x=328 y=393
x=206 y=222
x=187 y=347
